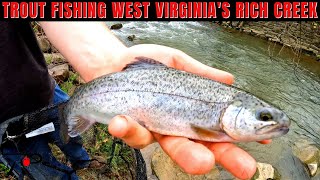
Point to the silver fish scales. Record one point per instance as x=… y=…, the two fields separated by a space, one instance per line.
x=172 y=102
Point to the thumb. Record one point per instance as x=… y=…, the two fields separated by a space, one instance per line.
x=131 y=132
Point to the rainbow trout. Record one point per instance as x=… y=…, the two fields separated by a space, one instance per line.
x=172 y=102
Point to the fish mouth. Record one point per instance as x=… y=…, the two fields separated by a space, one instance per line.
x=282 y=129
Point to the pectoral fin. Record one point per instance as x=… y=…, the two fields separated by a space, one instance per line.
x=79 y=124
x=208 y=133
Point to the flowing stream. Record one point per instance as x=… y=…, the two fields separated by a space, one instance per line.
x=267 y=70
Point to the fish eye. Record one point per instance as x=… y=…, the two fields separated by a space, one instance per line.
x=264 y=115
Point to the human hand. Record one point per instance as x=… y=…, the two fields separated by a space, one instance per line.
x=194 y=157
x=100 y=52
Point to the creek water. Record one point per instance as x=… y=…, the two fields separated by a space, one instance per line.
x=265 y=69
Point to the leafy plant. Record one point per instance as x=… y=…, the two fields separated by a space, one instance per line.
x=68 y=86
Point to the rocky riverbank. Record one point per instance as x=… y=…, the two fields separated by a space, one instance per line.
x=300 y=36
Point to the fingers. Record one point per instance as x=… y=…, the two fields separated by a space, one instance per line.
x=177 y=59
x=186 y=63
x=130 y=132
x=265 y=141
x=193 y=158
x=233 y=159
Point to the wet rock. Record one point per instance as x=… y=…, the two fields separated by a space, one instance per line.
x=54 y=58
x=235 y=23
x=317 y=175
x=147 y=154
x=240 y=25
x=248 y=31
x=289 y=41
x=277 y=29
x=131 y=37
x=313 y=168
x=309 y=154
x=255 y=32
x=266 y=171
x=226 y=24
x=116 y=26
x=60 y=72
x=164 y=168
x=44 y=43
x=306 y=152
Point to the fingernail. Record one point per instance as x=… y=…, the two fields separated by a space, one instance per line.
x=119 y=126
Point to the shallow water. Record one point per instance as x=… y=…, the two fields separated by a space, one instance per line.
x=263 y=68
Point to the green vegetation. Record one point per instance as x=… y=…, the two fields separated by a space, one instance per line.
x=118 y=158
x=70 y=85
x=35 y=27
x=4 y=172
x=4 y=169
x=111 y=158
x=48 y=59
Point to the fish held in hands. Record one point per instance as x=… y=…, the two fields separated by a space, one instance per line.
x=172 y=102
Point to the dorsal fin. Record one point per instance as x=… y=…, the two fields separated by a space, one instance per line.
x=144 y=62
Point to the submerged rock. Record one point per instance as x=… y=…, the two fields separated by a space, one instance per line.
x=309 y=154
x=116 y=26
x=164 y=168
x=313 y=168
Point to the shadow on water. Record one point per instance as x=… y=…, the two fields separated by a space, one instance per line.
x=291 y=83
